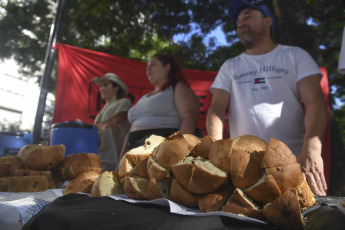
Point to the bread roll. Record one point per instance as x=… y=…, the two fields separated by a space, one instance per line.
x=107 y=184
x=30 y=183
x=77 y=163
x=220 y=153
x=245 y=168
x=9 y=164
x=198 y=175
x=136 y=187
x=305 y=195
x=32 y=173
x=125 y=166
x=285 y=211
x=78 y=185
x=182 y=196
x=171 y=152
x=140 y=169
x=191 y=139
x=156 y=171
x=4 y=184
x=159 y=189
x=277 y=154
x=42 y=158
x=265 y=190
x=91 y=175
x=203 y=148
x=140 y=153
x=214 y=201
x=239 y=203
x=288 y=176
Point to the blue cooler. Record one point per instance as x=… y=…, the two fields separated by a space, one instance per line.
x=12 y=141
x=78 y=137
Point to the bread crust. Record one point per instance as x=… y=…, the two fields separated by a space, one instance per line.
x=9 y=164
x=78 y=185
x=220 y=154
x=159 y=189
x=203 y=148
x=182 y=196
x=278 y=154
x=156 y=171
x=285 y=211
x=30 y=183
x=136 y=187
x=214 y=201
x=42 y=158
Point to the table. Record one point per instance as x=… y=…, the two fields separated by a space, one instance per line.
x=80 y=211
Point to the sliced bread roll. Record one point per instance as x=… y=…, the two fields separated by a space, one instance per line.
x=42 y=158
x=241 y=204
x=159 y=189
x=125 y=167
x=156 y=171
x=278 y=154
x=30 y=183
x=77 y=163
x=78 y=185
x=214 y=201
x=203 y=148
x=140 y=153
x=220 y=154
x=285 y=211
x=198 y=175
x=107 y=184
x=305 y=195
x=288 y=176
x=9 y=164
x=191 y=139
x=182 y=196
x=265 y=190
x=245 y=167
x=136 y=187
x=91 y=175
x=140 y=169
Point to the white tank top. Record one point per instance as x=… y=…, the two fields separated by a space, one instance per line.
x=158 y=110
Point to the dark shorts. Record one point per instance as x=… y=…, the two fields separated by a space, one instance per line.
x=137 y=138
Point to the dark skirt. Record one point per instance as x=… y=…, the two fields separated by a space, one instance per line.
x=137 y=138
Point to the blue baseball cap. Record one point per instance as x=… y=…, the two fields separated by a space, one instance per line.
x=236 y=6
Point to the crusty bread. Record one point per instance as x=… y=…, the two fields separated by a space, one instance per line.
x=136 y=187
x=245 y=168
x=249 y=143
x=31 y=173
x=156 y=171
x=182 y=196
x=91 y=175
x=265 y=190
x=288 y=176
x=107 y=184
x=305 y=195
x=9 y=164
x=203 y=148
x=285 y=211
x=77 y=163
x=78 y=185
x=277 y=154
x=4 y=184
x=140 y=169
x=220 y=153
x=171 y=152
x=125 y=166
x=140 y=153
x=191 y=139
x=30 y=183
x=159 y=189
x=214 y=201
x=42 y=158
x=241 y=204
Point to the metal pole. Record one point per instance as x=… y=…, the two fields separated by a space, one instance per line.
x=49 y=58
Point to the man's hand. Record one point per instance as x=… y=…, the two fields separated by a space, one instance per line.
x=312 y=167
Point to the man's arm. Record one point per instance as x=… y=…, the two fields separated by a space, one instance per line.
x=315 y=124
x=216 y=113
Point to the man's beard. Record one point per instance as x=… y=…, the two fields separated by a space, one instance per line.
x=247 y=41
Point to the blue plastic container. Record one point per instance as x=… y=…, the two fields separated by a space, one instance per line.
x=12 y=141
x=78 y=137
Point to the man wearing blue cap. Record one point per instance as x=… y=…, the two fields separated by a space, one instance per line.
x=265 y=86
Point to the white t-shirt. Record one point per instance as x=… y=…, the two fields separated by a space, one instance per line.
x=265 y=101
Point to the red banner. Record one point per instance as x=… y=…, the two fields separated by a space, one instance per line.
x=78 y=98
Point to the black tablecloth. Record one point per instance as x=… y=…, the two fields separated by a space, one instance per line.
x=79 y=211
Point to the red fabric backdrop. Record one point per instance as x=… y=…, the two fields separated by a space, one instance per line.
x=78 y=98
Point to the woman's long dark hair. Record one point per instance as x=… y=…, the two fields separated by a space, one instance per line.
x=175 y=74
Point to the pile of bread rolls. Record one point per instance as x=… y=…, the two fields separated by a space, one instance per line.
x=242 y=175
x=31 y=170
